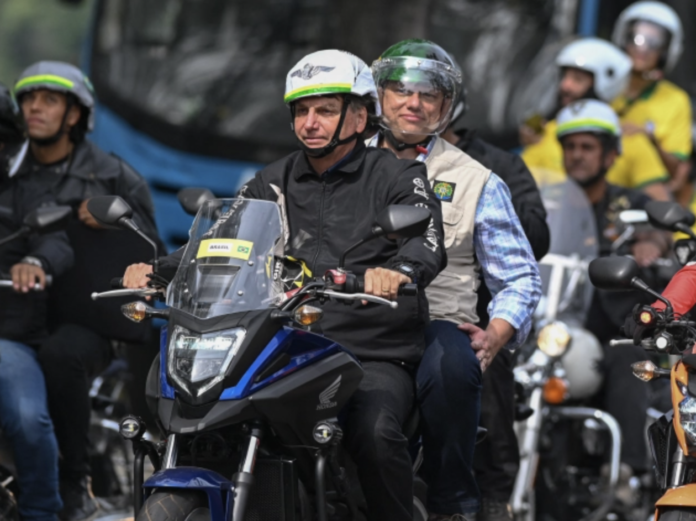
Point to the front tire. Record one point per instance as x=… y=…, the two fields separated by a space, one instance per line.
x=677 y=514
x=175 y=505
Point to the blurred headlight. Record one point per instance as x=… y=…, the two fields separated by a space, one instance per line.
x=553 y=339
x=198 y=362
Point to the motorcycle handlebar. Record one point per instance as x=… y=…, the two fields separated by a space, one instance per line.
x=7 y=283
x=117 y=283
x=646 y=343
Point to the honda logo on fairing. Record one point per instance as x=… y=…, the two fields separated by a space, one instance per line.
x=328 y=394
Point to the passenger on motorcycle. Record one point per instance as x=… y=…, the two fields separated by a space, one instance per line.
x=652 y=35
x=58 y=105
x=595 y=69
x=497 y=457
x=330 y=192
x=418 y=84
x=590 y=135
x=24 y=416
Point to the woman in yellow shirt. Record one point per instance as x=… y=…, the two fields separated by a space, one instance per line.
x=651 y=33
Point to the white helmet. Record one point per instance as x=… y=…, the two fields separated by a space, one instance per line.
x=589 y=115
x=330 y=72
x=658 y=14
x=582 y=364
x=610 y=66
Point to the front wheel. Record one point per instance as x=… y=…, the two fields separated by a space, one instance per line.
x=175 y=505
x=677 y=514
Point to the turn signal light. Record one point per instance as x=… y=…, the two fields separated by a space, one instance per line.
x=645 y=317
x=308 y=315
x=136 y=311
x=555 y=390
x=644 y=370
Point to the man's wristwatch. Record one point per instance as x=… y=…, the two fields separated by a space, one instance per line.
x=407 y=270
x=33 y=261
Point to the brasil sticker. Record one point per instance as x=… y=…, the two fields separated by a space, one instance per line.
x=232 y=248
x=444 y=191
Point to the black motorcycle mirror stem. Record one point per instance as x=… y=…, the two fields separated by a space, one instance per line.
x=113 y=211
x=620 y=274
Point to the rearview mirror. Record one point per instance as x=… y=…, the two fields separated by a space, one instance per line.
x=48 y=219
x=400 y=221
x=191 y=199
x=670 y=216
x=614 y=273
x=110 y=210
x=685 y=250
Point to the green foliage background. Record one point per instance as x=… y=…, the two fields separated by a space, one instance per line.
x=34 y=30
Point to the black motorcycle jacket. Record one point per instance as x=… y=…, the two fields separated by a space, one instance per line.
x=328 y=213
x=86 y=173
x=23 y=315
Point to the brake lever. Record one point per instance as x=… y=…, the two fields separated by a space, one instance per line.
x=359 y=296
x=138 y=292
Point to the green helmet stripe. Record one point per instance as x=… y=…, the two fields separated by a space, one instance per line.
x=44 y=79
x=588 y=125
x=313 y=90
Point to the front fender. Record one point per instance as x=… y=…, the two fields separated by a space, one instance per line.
x=220 y=490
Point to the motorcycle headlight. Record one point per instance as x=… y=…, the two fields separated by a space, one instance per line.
x=553 y=339
x=197 y=362
x=687 y=418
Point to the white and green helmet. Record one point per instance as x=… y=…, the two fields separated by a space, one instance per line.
x=330 y=72
x=58 y=77
x=589 y=115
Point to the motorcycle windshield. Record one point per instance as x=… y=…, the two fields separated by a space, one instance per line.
x=229 y=262
x=573 y=231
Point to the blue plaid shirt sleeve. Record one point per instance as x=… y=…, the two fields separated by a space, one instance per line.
x=507 y=262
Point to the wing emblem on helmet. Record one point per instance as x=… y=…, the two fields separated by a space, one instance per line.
x=309 y=71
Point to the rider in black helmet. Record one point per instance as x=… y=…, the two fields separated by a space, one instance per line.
x=24 y=417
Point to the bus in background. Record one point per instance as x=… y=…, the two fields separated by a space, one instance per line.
x=190 y=91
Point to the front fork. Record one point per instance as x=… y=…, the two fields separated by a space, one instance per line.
x=529 y=457
x=244 y=479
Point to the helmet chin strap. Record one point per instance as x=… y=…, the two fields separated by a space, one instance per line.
x=52 y=140
x=400 y=145
x=335 y=140
x=587 y=183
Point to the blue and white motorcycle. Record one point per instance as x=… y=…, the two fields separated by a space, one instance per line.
x=246 y=394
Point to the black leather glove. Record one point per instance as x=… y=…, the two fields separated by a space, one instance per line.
x=632 y=328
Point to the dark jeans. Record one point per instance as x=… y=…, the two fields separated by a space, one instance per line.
x=376 y=443
x=625 y=397
x=449 y=393
x=27 y=426
x=497 y=458
x=71 y=357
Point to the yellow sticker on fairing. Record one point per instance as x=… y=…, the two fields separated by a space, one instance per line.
x=231 y=248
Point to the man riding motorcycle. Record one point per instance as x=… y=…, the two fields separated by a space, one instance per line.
x=24 y=416
x=419 y=84
x=592 y=68
x=497 y=457
x=651 y=33
x=590 y=135
x=58 y=106
x=329 y=193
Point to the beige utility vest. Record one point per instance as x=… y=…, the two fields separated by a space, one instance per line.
x=458 y=180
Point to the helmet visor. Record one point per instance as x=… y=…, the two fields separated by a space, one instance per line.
x=647 y=37
x=417 y=95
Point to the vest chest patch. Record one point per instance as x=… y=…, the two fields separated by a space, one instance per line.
x=444 y=191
